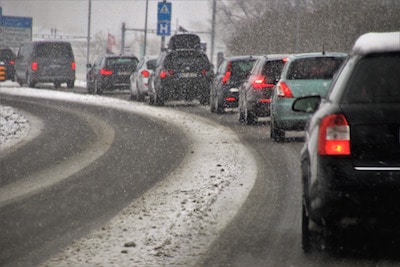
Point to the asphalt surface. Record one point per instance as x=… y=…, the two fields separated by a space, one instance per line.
x=92 y=196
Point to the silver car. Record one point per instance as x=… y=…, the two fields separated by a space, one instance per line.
x=139 y=79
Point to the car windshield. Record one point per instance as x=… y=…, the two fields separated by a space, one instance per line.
x=151 y=64
x=314 y=68
x=375 y=79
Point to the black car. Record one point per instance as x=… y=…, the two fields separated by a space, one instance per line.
x=231 y=73
x=255 y=93
x=7 y=57
x=350 y=161
x=110 y=72
x=46 y=62
x=181 y=75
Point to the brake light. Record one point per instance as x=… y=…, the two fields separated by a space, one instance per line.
x=34 y=66
x=283 y=90
x=204 y=72
x=259 y=82
x=73 y=65
x=145 y=73
x=166 y=73
x=12 y=62
x=104 y=71
x=227 y=75
x=334 y=135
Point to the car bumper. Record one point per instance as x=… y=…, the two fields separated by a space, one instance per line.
x=343 y=191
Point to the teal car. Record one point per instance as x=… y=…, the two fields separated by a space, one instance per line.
x=303 y=75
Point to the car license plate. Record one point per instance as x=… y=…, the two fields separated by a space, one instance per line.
x=189 y=75
x=123 y=73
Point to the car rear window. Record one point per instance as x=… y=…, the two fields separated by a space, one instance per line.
x=122 y=62
x=151 y=64
x=54 y=50
x=376 y=79
x=240 y=69
x=6 y=54
x=272 y=70
x=180 y=61
x=314 y=68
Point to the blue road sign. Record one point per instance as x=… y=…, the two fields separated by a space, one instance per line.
x=164 y=18
x=16 y=22
x=164 y=11
x=164 y=28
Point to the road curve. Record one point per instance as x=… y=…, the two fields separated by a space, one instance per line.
x=212 y=171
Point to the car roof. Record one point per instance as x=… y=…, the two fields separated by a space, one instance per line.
x=116 y=56
x=242 y=57
x=276 y=56
x=375 y=42
x=318 y=54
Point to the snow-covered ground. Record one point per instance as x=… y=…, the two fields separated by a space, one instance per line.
x=175 y=222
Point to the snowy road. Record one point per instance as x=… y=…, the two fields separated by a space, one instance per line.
x=176 y=221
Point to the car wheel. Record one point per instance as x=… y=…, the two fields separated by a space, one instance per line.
x=140 y=97
x=97 y=88
x=151 y=99
x=70 y=84
x=218 y=106
x=29 y=81
x=305 y=231
x=57 y=85
x=277 y=134
x=249 y=116
x=157 y=100
x=212 y=106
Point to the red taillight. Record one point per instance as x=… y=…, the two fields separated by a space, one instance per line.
x=283 y=90
x=260 y=82
x=34 y=66
x=104 y=71
x=12 y=62
x=230 y=99
x=227 y=75
x=225 y=79
x=145 y=73
x=166 y=73
x=334 y=135
x=204 y=72
x=73 y=65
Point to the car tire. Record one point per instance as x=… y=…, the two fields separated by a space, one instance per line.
x=212 y=106
x=97 y=88
x=70 y=84
x=29 y=81
x=57 y=85
x=277 y=134
x=305 y=231
x=151 y=99
x=218 y=106
x=249 y=117
x=157 y=100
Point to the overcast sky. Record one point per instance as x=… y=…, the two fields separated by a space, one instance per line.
x=71 y=16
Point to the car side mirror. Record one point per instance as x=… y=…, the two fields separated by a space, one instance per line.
x=307 y=104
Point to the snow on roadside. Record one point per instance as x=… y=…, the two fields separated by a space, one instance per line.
x=13 y=127
x=175 y=222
